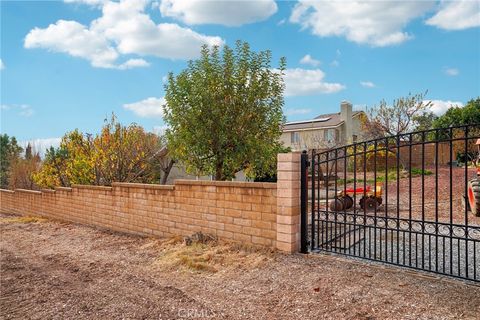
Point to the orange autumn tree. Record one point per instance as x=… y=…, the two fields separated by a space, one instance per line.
x=22 y=168
x=117 y=154
x=127 y=154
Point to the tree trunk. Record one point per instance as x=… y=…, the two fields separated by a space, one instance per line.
x=166 y=172
x=219 y=170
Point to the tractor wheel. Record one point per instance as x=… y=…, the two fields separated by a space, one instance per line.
x=336 y=204
x=347 y=201
x=368 y=204
x=474 y=196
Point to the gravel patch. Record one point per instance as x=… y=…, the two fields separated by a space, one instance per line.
x=439 y=248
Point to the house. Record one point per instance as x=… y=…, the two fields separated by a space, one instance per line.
x=324 y=131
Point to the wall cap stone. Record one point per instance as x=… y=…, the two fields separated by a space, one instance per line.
x=238 y=184
x=82 y=186
x=47 y=190
x=289 y=157
x=142 y=186
x=63 y=189
x=28 y=191
x=7 y=191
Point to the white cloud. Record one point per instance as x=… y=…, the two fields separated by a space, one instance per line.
x=377 y=23
x=41 y=145
x=155 y=5
x=451 y=72
x=335 y=63
x=300 y=111
x=75 y=39
x=228 y=13
x=94 y=3
x=23 y=110
x=26 y=111
x=457 y=15
x=439 y=107
x=123 y=29
x=309 y=60
x=2 y=65
x=150 y=107
x=135 y=33
x=160 y=130
x=367 y=84
x=133 y=63
x=301 y=82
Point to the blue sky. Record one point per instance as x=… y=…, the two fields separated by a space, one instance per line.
x=67 y=65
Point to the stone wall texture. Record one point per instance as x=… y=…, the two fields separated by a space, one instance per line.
x=247 y=212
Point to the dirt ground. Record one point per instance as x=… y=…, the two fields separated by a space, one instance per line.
x=53 y=270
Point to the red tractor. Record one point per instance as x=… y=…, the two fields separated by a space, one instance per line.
x=473 y=193
x=370 y=198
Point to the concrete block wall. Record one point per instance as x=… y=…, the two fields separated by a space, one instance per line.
x=266 y=214
x=429 y=153
x=288 y=202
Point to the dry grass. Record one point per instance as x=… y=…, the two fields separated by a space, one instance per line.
x=69 y=271
x=210 y=257
x=28 y=219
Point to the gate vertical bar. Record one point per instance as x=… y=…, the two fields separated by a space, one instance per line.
x=436 y=199
x=312 y=236
x=423 y=201
x=303 y=202
x=355 y=199
x=410 y=201
x=386 y=198
x=450 y=153
x=398 y=202
x=466 y=211
x=375 y=195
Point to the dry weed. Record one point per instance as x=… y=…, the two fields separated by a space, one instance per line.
x=28 y=219
x=210 y=257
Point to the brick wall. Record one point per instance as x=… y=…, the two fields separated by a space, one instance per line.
x=238 y=211
x=248 y=212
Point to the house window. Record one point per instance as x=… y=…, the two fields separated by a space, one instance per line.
x=354 y=138
x=294 y=137
x=330 y=135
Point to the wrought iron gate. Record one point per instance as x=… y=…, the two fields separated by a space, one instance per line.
x=399 y=200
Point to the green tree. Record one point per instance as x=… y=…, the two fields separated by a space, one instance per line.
x=28 y=152
x=424 y=121
x=224 y=112
x=71 y=163
x=457 y=116
x=53 y=169
x=9 y=152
